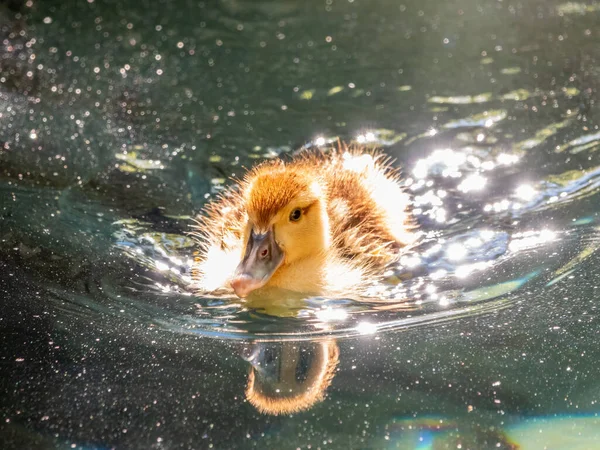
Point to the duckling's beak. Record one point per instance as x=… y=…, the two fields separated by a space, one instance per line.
x=263 y=257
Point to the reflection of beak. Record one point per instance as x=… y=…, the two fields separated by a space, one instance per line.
x=263 y=257
x=250 y=353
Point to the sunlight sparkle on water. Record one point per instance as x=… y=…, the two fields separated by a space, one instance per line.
x=530 y=239
x=525 y=192
x=428 y=198
x=473 y=242
x=500 y=206
x=456 y=252
x=488 y=165
x=432 y=250
x=442 y=161
x=467 y=269
x=486 y=234
x=366 y=328
x=366 y=137
x=163 y=287
x=438 y=274
x=474 y=161
x=320 y=141
x=161 y=265
x=474 y=182
x=410 y=261
x=440 y=215
x=434 y=199
x=507 y=159
x=331 y=315
x=175 y=260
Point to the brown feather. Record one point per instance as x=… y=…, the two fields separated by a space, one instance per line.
x=270 y=187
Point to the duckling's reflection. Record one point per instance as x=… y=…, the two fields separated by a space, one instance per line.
x=289 y=377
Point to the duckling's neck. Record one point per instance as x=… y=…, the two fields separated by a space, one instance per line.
x=319 y=274
x=304 y=275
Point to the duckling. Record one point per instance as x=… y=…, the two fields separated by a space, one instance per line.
x=324 y=223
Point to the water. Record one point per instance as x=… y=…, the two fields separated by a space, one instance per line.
x=117 y=123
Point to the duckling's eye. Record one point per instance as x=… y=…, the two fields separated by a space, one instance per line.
x=295 y=215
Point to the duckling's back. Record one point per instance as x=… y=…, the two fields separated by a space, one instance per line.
x=367 y=207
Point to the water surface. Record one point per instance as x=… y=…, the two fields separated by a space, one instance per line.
x=118 y=121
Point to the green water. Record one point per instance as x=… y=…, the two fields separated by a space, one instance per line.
x=119 y=120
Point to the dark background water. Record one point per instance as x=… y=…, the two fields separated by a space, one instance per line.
x=119 y=119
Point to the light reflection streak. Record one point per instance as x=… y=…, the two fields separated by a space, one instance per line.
x=467 y=269
x=331 y=315
x=530 y=239
x=366 y=328
x=161 y=266
x=165 y=288
x=433 y=249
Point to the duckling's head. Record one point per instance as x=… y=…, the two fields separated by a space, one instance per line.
x=287 y=222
